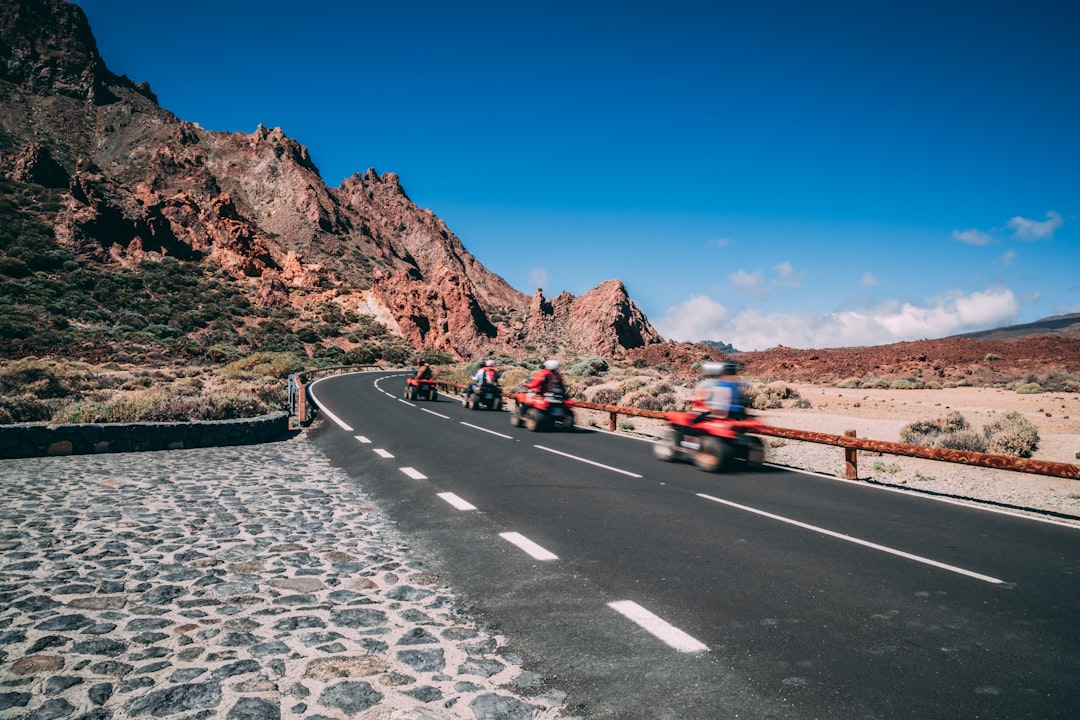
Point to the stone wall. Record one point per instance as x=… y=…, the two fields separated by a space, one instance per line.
x=38 y=440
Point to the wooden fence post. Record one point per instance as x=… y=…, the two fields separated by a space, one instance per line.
x=851 y=463
x=612 y=417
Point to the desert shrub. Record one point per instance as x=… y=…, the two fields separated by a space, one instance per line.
x=907 y=384
x=802 y=404
x=159 y=408
x=40 y=378
x=1029 y=389
x=875 y=384
x=769 y=396
x=607 y=395
x=23 y=408
x=962 y=440
x=1012 y=434
x=850 y=383
x=590 y=366
x=927 y=432
x=268 y=364
x=991 y=357
x=632 y=398
x=649 y=402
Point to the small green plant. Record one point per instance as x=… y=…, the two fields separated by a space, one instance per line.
x=924 y=478
x=881 y=467
x=1029 y=389
x=850 y=383
x=991 y=357
x=626 y=425
x=1012 y=434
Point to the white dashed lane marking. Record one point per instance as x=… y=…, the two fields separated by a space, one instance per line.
x=456 y=501
x=528 y=546
x=432 y=412
x=362 y=439
x=477 y=427
x=382 y=453
x=413 y=473
x=657 y=627
x=584 y=460
x=857 y=541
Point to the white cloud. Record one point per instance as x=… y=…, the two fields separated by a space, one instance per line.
x=701 y=318
x=868 y=280
x=748 y=282
x=1034 y=229
x=1009 y=258
x=722 y=242
x=538 y=277
x=972 y=237
x=786 y=275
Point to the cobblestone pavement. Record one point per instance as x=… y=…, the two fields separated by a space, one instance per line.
x=240 y=583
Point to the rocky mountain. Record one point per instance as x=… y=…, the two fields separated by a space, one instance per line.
x=119 y=181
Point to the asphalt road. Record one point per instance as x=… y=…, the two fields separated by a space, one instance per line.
x=654 y=590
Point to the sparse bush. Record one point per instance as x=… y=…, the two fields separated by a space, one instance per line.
x=1012 y=434
x=22 y=409
x=875 y=384
x=991 y=357
x=850 y=383
x=590 y=366
x=969 y=440
x=907 y=384
x=1029 y=389
x=930 y=432
x=40 y=378
x=607 y=395
x=802 y=404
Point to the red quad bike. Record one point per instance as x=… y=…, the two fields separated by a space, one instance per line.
x=712 y=444
x=486 y=396
x=421 y=389
x=542 y=412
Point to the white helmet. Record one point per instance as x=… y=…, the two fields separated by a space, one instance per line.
x=489 y=363
x=551 y=364
x=716 y=369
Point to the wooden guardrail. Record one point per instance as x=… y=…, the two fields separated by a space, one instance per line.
x=848 y=441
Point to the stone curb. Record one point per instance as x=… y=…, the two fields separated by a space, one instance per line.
x=31 y=440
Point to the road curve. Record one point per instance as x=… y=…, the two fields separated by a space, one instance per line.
x=653 y=590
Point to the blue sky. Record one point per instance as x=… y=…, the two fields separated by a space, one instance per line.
x=807 y=174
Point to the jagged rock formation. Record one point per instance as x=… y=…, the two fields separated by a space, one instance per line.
x=143 y=184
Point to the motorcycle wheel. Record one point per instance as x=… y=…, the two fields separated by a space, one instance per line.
x=515 y=419
x=713 y=455
x=533 y=420
x=665 y=448
x=568 y=422
x=412 y=393
x=497 y=405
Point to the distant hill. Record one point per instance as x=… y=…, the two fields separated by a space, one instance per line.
x=1065 y=325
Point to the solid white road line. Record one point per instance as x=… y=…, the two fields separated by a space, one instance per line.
x=661 y=629
x=528 y=546
x=857 y=541
x=432 y=412
x=413 y=473
x=405 y=402
x=590 y=462
x=382 y=453
x=456 y=501
x=477 y=427
x=362 y=439
x=325 y=411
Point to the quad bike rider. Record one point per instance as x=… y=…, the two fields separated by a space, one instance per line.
x=484 y=390
x=421 y=385
x=544 y=403
x=714 y=432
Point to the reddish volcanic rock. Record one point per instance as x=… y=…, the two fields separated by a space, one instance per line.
x=144 y=185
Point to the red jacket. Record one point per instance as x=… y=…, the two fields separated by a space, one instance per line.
x=541 y=382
